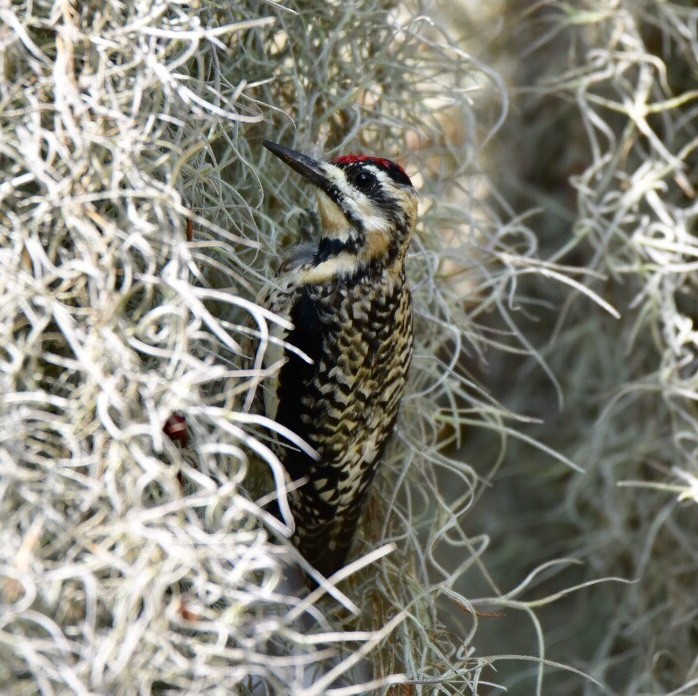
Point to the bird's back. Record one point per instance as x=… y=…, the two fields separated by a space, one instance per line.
x=358 y=336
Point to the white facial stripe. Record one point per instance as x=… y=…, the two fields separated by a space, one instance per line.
x=370 y=212
x=362 y=206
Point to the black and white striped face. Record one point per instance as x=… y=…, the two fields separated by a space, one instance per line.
x=367 y=207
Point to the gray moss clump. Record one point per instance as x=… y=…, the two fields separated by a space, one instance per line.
x=139 y=215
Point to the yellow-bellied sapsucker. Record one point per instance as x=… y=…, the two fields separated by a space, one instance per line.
x=350 y=307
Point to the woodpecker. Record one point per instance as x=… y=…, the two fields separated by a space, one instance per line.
x=348 y=302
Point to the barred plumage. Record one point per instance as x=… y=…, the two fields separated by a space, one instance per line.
x=351 y=311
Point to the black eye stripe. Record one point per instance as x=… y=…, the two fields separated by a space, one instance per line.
x=393 y=170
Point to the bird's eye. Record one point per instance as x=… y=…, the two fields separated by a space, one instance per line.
x=364 y=181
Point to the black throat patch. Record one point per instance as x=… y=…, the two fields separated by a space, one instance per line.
x=329 y=248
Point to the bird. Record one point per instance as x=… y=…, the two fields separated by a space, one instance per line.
x=345 y=361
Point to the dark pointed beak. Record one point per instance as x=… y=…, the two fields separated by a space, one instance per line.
x=308 y=167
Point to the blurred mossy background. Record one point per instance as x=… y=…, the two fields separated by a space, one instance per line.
x=601 y=141
x=541 y=491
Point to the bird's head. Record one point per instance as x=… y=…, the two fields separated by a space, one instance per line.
x=367 y=207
